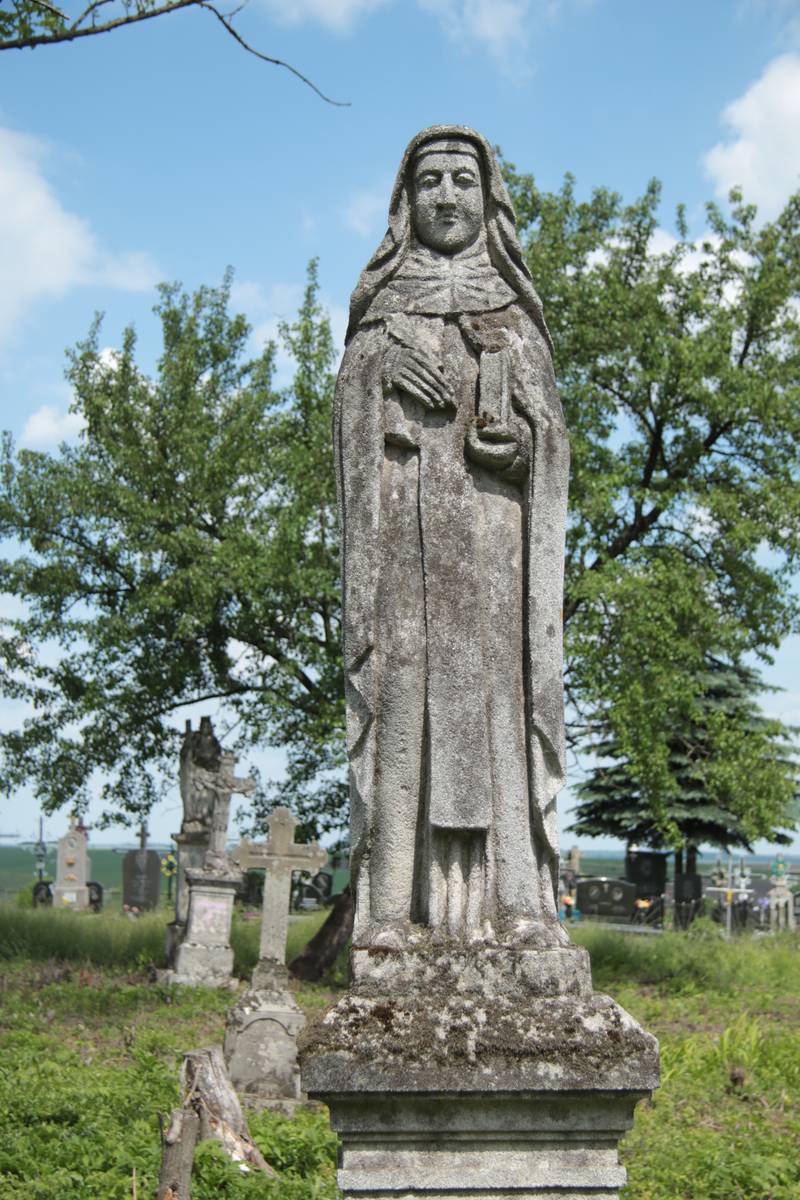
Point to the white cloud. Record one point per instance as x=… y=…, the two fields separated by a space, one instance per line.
x=762 y=155
x=337 y=15
x=44 y=249
x=500 y=26
x=365 y=211
x=49 y=426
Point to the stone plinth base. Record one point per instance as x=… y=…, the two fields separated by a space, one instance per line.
x=70 y=897
x=479 y=1085
x=261 y=1042
x=205 y=956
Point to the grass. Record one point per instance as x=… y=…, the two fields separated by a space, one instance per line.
x=91 y=1053
x=112 y=939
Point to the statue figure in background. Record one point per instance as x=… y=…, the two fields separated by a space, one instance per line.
x=201 y=755
x=452 y=468
x=207 y=781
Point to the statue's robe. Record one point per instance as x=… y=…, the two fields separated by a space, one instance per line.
x=452 y=579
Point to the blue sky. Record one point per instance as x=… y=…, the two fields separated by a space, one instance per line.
x=166 y=152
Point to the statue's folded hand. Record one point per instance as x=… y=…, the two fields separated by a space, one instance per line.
x=413 y=372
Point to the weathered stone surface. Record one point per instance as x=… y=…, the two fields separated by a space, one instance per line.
x=488 y=971
x=205 y=955
x=441 y=1145
x=207 y=781
x=470 y=1057
x=261 y=1029
x=453 y=468
x=450 y=1090
x=261 y=1042
x=280 y=855
x=467 y=1043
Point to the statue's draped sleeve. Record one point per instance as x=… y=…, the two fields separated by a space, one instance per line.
x=359 y=447
x=359 y=444
x=536 y=398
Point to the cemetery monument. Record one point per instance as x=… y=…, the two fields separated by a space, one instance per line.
x=470 y=1055
x=72 y=869
x=141 y=877
x=199 y=762
x=204 y=954
x=262 y=1027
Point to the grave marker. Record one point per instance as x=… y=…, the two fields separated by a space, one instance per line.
x=262 y=1028
x=72 y=869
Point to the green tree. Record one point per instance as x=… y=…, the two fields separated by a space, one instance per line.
x=184 y=550
x=732 y=776
x=679 y=369
x=678 y=366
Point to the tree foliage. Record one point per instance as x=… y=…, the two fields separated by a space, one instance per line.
x=184 y=550
x=187 y=547
x=732 y=776
x=679 y=368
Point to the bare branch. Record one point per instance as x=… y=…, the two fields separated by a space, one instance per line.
x=72 y=32
x=276 y=62
x=50 y=8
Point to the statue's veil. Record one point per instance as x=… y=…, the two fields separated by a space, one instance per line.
x=501 y=234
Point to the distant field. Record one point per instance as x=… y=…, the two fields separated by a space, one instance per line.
x=17 y=868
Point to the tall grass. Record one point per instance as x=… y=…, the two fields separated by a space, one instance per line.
x=694 y=961
x=111 y=939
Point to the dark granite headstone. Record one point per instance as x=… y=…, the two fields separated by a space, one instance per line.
x=610 y=898
x=648 y=870
x=141 y=879
x=688 y=888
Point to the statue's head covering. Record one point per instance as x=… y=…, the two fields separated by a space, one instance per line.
x=502 y=242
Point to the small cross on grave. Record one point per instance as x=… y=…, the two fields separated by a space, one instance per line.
x=279 y=855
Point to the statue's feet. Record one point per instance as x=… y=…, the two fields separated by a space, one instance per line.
x=528 y=934
x=389 y=935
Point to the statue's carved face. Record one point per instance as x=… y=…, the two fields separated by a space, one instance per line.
x=447 y=201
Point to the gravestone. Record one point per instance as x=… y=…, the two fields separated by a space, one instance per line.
x=72 y=869
x=470 y=1057
x=141 y=879
x=204 y=955
x=609 y=899
x=648 y=870
x=780 y=899
x=262 y=1027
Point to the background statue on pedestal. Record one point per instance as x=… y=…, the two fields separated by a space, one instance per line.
x=453 y=472
x=207 y=781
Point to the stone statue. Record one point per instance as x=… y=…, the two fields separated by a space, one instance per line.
x=201 y=754
x=207 y=780
x=470 y=1055
x=452 y=468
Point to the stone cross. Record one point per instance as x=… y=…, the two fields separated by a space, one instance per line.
x=279 y=855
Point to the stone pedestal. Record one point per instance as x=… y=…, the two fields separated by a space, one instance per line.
x=479 y=1072
x=261 y=1041
x=205 y=955
x=192 y=847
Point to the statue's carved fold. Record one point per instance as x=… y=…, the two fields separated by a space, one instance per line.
x=452 y=468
